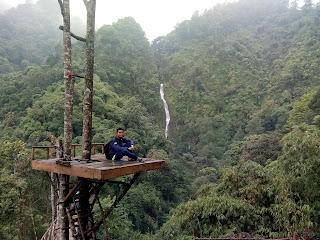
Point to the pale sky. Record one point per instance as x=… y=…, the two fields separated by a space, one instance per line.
x=156 y=17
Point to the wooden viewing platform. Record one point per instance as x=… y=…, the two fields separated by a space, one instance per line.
x=99 y=168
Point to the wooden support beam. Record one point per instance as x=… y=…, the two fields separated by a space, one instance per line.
x=115 y=203
x=73 y=191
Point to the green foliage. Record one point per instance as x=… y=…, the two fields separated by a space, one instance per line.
x=247 y=199
x=209 y=217
x=140 y=128
x=46 y=114
x=28 y=34
x=13 y=156
x=301 y=161
x=231 y=77
x=144 y=207
x=12 y=188
x=262 y=148
x=20 y=188
x=301 y=112
x=236 y=75
x=124 y=59
x=18 y=90
x=119 y=226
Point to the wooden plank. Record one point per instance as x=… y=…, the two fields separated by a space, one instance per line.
x=132 y=168
x=101 y=170
x=91 y=165
x=44 y=165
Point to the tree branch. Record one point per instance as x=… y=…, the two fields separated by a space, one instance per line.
x=76 y=75
x=61 y=7
x=86 y=3
x=74 y=36
x=118 y=199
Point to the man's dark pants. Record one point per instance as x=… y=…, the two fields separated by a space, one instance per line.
x=125 y=152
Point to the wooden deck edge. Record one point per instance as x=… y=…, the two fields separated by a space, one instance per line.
x=100 y=172
x=131 y=169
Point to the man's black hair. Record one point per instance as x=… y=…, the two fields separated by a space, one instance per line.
x=120 y=129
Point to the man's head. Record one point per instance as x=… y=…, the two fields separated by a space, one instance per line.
x=120 y=133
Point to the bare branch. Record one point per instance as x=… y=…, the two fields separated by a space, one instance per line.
x=74 y=36
x=85 y=3
x=118 y=199
x=61 y=7
x=76 y=75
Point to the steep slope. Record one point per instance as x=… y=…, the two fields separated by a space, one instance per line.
x=234 y=71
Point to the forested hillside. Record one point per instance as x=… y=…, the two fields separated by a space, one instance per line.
x=242 y=84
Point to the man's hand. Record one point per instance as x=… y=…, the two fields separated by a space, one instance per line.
x=130 y=148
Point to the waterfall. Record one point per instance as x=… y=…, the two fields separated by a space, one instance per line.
x=166 y=110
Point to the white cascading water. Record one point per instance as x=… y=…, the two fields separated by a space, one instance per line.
x=166 y=110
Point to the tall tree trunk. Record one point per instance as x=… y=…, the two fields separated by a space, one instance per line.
x=68 y=82
x=53 y=196
x=88 y=92
x=54 y=182
x=20 y=221
x=62 y=232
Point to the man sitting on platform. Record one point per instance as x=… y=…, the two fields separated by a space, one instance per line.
x=120 y=146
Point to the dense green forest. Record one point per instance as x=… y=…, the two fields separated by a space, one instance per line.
x=242 y=81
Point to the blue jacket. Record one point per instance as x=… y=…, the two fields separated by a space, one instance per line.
x=118 y=145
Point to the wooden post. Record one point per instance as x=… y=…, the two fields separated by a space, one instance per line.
x=88 y=92
x=32 y=157
x=47 y=152
x=73 y=150
x=68 y=81
x=62 y=232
